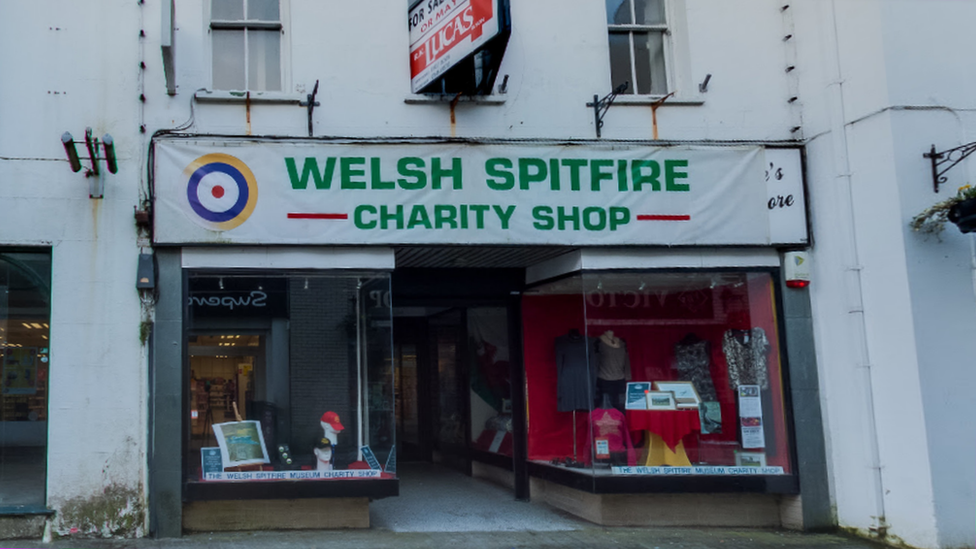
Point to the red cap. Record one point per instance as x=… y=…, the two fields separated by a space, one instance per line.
x=332 y=419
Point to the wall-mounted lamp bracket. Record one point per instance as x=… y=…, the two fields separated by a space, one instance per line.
x=949 y=158
x=600 y=106
x=310 y=104
x=92 y=145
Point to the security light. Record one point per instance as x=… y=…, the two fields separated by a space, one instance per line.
x=110 y=161
x=69 y=148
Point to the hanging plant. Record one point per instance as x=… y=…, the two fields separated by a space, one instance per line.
x=959 y=209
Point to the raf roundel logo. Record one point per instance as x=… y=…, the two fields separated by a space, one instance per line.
x=221 y=190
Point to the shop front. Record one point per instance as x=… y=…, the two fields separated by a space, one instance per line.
x=598 y=326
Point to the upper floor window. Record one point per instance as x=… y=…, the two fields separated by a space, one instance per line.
x=246 y=44
x=638 y=31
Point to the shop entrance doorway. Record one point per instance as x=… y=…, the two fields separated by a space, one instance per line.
x=453 y=386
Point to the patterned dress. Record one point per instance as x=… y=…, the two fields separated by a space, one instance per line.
x=746 y=354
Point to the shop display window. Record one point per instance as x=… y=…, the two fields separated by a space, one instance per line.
x=656 y=374
x=289 y=378
x=490 y=374
x=25 y=315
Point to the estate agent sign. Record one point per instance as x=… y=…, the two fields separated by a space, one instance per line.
x=579 y=194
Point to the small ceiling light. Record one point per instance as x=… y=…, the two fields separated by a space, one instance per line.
x=36 y=325
x=220 y=282
x=306 y=283
x=642 y=286
x=26 y=325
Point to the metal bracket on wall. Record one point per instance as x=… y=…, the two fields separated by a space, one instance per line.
x=311 y=103
x=600 y=106
x=951 y=157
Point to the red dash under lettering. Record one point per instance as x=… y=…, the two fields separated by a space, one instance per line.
x=663 y=218
x=317 y=216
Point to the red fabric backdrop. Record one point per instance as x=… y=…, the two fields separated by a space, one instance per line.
x=651 y=324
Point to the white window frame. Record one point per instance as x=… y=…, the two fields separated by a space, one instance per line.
x=284 y=16
x=677 y=58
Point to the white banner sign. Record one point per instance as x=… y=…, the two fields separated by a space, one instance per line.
x=443 y=32
x=306 y=192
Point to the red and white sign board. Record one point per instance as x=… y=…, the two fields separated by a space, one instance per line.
x=443 y=32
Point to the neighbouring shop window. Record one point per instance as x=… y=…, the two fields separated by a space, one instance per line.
x=246 y=44
x=25 y=316
x=290 y=378
x=638 y=31
x=656 y=374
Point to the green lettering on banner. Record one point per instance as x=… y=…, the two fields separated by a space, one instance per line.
x=621 y=175
x=464 y=216
x=479 y=215
x=574 y=165
x=671 y=173
x=418 y=216
x=618 y=216
x=554 y=174
x=597 y=174
x=358 y=217
x=527 y=175
x=543 y=218
x=445 y=215
x=322 y=180
x=411 y=166
x=386 y=217
x=437 y=173
x=494 y=167
x=378 y=183
x=562 y=218
x=504 y=214
x=347 y=172
x=640 y=178
x=594 y=225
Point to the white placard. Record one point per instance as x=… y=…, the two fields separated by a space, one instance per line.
x=587 y=194
x=751 y=417
x=292 y=475
x=704 y=470
x=786 y=201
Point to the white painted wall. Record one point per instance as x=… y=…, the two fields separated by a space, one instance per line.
x=69 y=65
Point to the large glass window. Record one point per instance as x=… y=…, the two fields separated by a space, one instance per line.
x=290 y=378
x=656 y=374
x=246 y=44
x=638 y=32
x=25 y=315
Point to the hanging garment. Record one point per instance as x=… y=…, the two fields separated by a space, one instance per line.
x=575 y=379
x=694 y=363
x=611 y=425
x=745 y=352
x=613 y=359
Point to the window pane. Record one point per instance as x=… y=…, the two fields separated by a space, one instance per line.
x=227 y=9
x=25 y=296
x=264 y=55
x=620 y=61
x=262 y=10
x=618 y=12
x=228 y=60
x=650 y=12
x=649 y=59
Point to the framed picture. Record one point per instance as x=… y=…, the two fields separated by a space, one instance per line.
x=241 y=443
x=750 y=459
x=685 y=395
x=660 y=400
x=637 y=395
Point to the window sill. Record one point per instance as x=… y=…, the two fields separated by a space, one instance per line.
x=646 y=100
x=25 y=510
x=427 y=99
x=283 y=98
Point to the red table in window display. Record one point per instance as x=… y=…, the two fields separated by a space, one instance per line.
x=665 y=430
